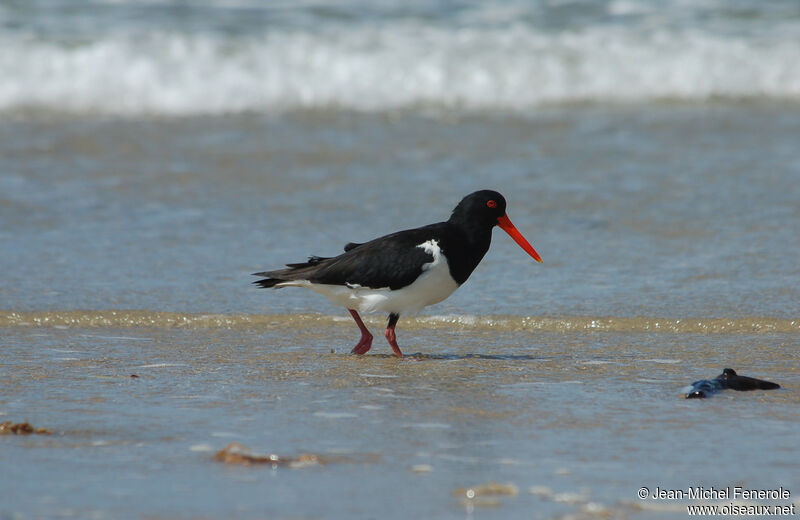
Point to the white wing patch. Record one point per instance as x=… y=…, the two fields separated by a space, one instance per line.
x=432 y=248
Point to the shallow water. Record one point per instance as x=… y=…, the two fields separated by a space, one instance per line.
x=650 y=211
x=584 y=419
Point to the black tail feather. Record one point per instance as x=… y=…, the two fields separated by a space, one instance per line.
x=301 y=271
x=312 y=261
x=266 y=283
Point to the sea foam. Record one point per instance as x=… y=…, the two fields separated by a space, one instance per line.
x=395 y=66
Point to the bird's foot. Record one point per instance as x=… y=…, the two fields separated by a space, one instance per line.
x=364 y=344
x=392 y=339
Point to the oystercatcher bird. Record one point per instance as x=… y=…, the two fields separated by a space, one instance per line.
x=405 y=271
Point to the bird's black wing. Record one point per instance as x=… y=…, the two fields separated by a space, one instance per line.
x=392 y=261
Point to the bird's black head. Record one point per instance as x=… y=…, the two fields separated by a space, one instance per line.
x=482 y=207
x=479 y=212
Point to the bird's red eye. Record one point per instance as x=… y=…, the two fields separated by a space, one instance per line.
x=492 y=204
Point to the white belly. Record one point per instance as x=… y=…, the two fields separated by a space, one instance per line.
x=432 y=286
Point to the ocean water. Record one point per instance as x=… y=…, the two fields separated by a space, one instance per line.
x=154 y=154
x=220 y=56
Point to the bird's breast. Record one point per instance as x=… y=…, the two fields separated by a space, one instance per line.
x=433 y=285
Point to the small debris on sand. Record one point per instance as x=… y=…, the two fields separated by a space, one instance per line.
x=488 y=489
x=23 y=428
x=305 y=460
x=235 y=453
x=571 y=498
x=542 y=491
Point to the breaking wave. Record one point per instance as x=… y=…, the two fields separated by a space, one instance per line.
x=391 y=67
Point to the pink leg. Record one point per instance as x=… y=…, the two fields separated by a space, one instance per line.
x=390 y=336
x=365 y=343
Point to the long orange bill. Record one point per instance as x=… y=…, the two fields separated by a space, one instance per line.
x=506 y=225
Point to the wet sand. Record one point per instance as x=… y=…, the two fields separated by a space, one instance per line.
x=537 y=423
